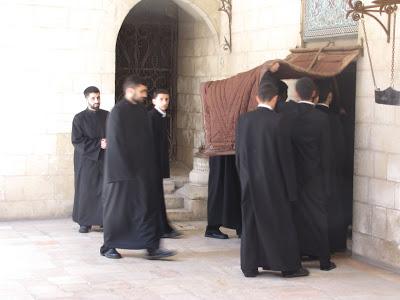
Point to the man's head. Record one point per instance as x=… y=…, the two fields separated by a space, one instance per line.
x=283 y=90
x=135 y=89
x=161 y=99
x=306 y=89
x=325 y=92
x=92 y=95
x=268 y=93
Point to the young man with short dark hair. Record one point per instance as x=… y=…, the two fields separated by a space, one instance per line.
x=88 y=138
x=159 y=124
x=269 y=238
x=132 y=193
x=311 y=148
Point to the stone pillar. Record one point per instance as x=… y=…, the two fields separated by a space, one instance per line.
x=199 y=174
x=195 y=192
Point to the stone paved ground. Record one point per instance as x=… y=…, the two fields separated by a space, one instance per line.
x=49 y=260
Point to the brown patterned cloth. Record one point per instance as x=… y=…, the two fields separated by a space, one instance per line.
x=225 y=100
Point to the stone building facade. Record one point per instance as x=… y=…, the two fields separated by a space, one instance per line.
x=52 y=49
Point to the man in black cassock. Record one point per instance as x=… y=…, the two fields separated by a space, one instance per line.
x=159 y=125
x=269 y=238
x=223 y=204
x=311 y=148
x=132 y=191
x=336 y=205
x=88 y=137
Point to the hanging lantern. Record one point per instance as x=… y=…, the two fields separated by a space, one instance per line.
x=359 y=11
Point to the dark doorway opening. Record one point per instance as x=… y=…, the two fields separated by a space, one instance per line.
x=147 y=47
x=346 y=104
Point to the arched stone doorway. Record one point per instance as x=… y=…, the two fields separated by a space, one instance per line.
x=174 y=45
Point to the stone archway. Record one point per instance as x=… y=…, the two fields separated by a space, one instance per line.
x=199 y=52
x=198 y=60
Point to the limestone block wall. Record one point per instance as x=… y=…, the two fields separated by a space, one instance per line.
x=198 y=55
x=376 y=225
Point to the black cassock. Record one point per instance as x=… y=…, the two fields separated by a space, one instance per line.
x=159 y=126
x=88 y=128
x=223 y=205
x=132 y=192
x=290 y=106
x=336 y=203
x=312 y=160
x=269 y=237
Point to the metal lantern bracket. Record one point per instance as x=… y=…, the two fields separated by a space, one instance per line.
x=358 y=11
x=226 y=7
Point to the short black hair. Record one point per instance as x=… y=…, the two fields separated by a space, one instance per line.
x=324 y=88
x=305 y=87
x=283 y=90
x=160 y=91
x=267 y=90
x=89 y=90
x=282 y=86
x=133 y=81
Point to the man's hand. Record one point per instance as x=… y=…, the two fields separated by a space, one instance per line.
x=103 y=144
x=274 y=68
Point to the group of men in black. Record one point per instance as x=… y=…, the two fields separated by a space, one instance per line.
x=289 y=172
x=281 y=191
x=120 y=160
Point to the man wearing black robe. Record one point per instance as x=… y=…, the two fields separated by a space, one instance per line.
x=269 y=238
x=336 y=214
x=159 y=125
x=88 y=138
x=132 y=192
x=223 y=205
x=311 y=148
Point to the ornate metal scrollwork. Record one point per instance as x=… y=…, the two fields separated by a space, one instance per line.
x=358 y=10
x=226 y=7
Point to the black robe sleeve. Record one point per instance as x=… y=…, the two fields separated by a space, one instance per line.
x=156 y=131
x=88 y=147
x=286 y=158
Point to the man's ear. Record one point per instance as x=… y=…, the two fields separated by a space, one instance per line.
x=153 y=101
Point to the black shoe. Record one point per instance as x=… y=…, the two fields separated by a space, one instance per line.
x=252 y=273
x=239 y=233
x=328 y=267
x=84 y=229
x=216 y=234
x=159 y=254
x=174 y=234
x=111 y=253
x=298 y=273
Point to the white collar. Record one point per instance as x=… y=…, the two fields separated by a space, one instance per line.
x=323 y=104
x=307 y=102
x=265 y=106
x=163 y=113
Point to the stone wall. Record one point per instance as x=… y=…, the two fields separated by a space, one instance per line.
x=198 y=52
x=376 y=222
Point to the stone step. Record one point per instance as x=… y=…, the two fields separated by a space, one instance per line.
x=179 y=215
x=174 y=201
x=180 y=181
x=169 y=186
